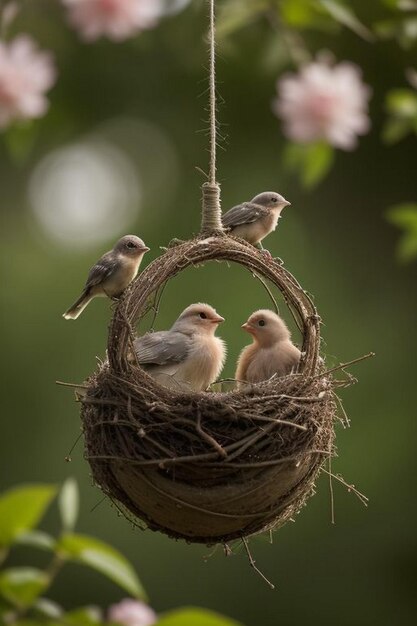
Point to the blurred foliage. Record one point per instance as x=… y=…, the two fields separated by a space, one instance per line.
x=401 y=25
x=312 y=161
x=405 y=217
x=401 y=105
x=22 y=589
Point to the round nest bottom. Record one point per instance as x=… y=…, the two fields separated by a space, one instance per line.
x=208 y=467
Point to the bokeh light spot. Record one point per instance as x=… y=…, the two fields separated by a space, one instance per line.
x=85 y=193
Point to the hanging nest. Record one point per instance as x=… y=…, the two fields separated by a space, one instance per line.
x=208 y=467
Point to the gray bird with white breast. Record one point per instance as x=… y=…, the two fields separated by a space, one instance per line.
x=111 y=274
x=188 y=356
x=254 y=220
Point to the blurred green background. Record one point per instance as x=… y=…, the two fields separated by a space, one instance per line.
x=140 y=104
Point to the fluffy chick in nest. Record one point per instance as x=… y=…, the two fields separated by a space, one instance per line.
x=187 y=357
x=272 y=351
x=254 y=220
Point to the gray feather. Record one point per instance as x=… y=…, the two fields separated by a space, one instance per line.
x=245 y=213
x=162 y=348
x=101 y=271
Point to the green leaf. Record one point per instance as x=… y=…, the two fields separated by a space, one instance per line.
x=86 y=616
x=407 y=247
x=311 y=161
x=345 y=16
x=405 y=217
x=395 y=129
x=303 y=14
x=22 y=585
x=235 y=14
x=48 y=608
x=195 y=617
x=68 y=502
x=402 y=103
x=20 y=140
x=103 y=558
x=21 y=509
x=36 y=539
x=318 y=161
x=403 y=29
x=298 y=14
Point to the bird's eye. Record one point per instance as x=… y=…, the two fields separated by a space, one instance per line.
x=203 y=316
x=261 y=323
x=131 y=244
x=274 y=199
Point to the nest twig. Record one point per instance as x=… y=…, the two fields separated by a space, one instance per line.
x=208 y=467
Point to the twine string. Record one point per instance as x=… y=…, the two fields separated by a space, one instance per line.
x=211 y=219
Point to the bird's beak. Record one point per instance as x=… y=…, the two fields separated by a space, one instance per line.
x=217 y=320
x=286 y=203
x=248 y=327
x=145 y=249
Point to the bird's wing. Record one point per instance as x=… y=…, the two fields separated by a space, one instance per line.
x=245 y=213
x=162 y=348
x=104 y=267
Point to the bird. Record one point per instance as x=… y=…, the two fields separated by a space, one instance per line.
x=254 y=220
x=111 y=274
x=272 y=351
x=188 y=356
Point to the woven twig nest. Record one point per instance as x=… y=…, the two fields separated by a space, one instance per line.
x=208 y=467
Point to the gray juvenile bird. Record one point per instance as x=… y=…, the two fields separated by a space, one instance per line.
x=111 y=274
x=272 y=351
x=254 y=220
x=189 y=355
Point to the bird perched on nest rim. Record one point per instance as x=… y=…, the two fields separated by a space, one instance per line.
x=189 y=355
x=254 y=220
x=272 y=351
x=111 y=274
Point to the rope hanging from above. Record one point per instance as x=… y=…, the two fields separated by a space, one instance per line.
x=211 y=217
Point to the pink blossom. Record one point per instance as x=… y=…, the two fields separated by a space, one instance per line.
x=324 y=103
x=116 y=19
x=25 y=75
x=132 y=613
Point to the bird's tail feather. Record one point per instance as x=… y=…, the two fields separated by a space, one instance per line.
x=78 y=307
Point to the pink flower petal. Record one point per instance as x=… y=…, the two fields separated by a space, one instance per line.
x=25 y=75
x=115 y=19
x=324 y=102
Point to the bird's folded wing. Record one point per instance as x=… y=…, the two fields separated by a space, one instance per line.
x=162 y=348
x=245 y=213
x=101 y=270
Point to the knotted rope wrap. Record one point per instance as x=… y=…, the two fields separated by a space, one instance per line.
x=208 y=467
x=211 y=216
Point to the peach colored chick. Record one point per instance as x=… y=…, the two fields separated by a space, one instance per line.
x=272 y=351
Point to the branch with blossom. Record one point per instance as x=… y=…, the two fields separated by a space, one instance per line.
x=321 y=103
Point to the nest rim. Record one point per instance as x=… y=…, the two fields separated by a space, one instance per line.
x=133 y=306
